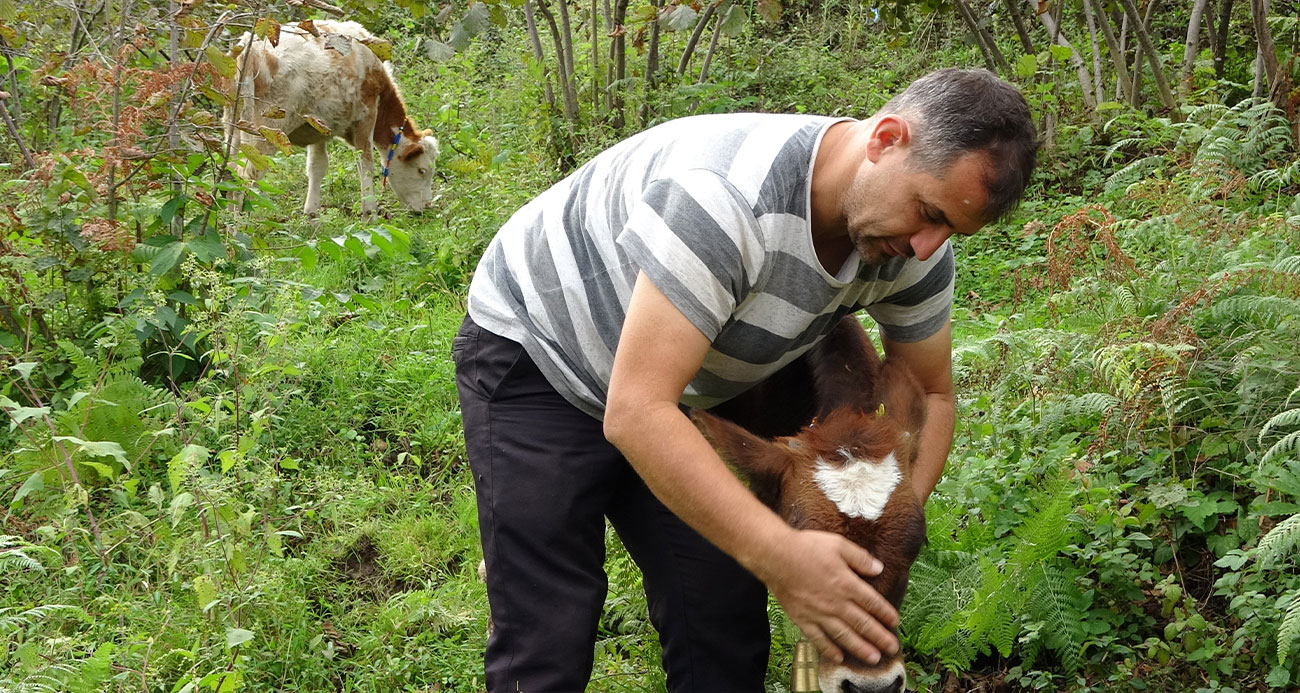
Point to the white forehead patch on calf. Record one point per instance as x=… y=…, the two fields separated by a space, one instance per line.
x=859 y=488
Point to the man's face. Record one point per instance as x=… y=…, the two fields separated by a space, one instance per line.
x=894 y=209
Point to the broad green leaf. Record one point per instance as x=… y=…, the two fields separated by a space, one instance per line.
x=205 y=592
x=222 y=63
x=355 y=245
x=476 y=19
x=24 y=369
x=734 y=21
x=178 y=506
x=237 y=636
x=1062 y=53
x=168 y=210
x=18 y=415
x=269 y=29
x=277 y=138
x=183 y=463
x=104 y=470
x=98 y=448
x=679 y=18
x=166 y=259
x=35 y=482
x=307 y=256
x=379 y=240
x=208 y=247
x=438 y=51
x=381 y=48
x=1026 y=66
x=257 y=158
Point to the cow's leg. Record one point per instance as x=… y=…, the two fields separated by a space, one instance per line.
x=318 y=162
x=366 y=170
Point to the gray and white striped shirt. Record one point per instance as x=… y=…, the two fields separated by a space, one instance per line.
x=715 y=210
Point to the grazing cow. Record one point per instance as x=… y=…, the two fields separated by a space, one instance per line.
x=829 y=442
x=325 y=82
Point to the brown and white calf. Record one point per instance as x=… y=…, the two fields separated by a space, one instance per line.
x=316 y=86
x=829 y=443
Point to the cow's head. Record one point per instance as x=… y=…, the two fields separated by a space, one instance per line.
x=411 y=171
x=848 y=472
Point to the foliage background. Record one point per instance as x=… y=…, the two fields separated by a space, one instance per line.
x=234 y=456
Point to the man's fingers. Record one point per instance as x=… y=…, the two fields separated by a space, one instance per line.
x=866 y=596
x=825 y=646
x=861 y=560
x=877 y=606
x=876 y=634
x=850 y=640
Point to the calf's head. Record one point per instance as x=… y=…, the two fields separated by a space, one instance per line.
x=847 y=472
x=410 y=173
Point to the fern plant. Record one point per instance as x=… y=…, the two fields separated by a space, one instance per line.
x=972 y=593
x=1279 y=545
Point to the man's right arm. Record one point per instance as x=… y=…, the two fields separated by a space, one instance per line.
x=815 y=575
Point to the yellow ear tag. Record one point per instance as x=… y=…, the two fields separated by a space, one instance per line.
x=880 y=410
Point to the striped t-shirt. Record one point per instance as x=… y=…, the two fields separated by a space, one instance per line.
x=715 y=209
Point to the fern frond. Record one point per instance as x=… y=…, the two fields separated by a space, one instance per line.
x=1047 y=529
x=1288 y=265
x=1139 y=169
x=1290 y=417
x=1289 y=629
x=1125 y=300
x=1279 y=542
x=1058 y=602
x=1266 y=311
x=1289 y=443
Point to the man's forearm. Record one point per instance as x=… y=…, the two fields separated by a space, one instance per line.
x=936 y=443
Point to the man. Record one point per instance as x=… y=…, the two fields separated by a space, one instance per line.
x=678 y=268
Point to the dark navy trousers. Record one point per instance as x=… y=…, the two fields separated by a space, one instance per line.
x=546 y=479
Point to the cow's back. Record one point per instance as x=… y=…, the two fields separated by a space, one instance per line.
x=333 y=78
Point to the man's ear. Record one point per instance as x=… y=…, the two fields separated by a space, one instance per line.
x=889 y=131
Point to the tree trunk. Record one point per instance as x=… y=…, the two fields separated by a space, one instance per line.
x=1221 y=45
x=596 y=88
x=713 y=46
x=563 y=65
x=1021 y=31
x=1153 y=59
x=694 y=40
x=1116 y=50
x=536 y=41
x=618 y=60
x=993 y=57
x=1085 y=82
x=1279 y=83
x=1096 y=50
x=1192 y=48
x=651 y=64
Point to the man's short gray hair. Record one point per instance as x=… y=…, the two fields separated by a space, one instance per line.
x=954 y=111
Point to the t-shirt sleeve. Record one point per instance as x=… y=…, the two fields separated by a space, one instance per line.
x=695 y=236
x=919 y=300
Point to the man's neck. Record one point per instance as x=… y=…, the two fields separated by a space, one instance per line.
x=838 y=157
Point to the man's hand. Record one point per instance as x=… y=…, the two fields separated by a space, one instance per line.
x=818 y=578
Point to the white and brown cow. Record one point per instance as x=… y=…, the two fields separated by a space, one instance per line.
x=829 y=443
x=320 y=80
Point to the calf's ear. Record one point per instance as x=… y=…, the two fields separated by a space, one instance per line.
x=761 y=461
x=412 y=150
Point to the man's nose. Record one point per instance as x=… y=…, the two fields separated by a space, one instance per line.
x=924 y=243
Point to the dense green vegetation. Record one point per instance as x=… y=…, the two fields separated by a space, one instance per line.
x=233 y=456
